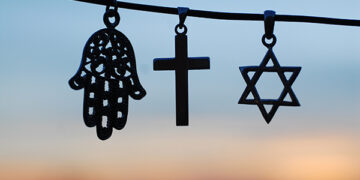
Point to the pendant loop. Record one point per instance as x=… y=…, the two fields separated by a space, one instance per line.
x=177 y=29
x=269 y=22
x=270 y=44
x=111 y=13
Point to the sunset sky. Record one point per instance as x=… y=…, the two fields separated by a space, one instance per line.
x=43 y=136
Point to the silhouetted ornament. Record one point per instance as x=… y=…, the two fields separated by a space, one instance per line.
x=276 y=68
x=181 y=64
x=108 y=75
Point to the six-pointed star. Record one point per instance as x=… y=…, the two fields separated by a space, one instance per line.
x=286 y=82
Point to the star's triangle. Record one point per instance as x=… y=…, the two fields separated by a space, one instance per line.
x=269 y=64
x=288 y=75
x=251 y=74
x=265 y=60
x=268 y=107
x=248 y=97
x=268 y=111
x=289 y=99
x=270 y=61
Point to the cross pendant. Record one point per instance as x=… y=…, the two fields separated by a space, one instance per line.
x=181 y=64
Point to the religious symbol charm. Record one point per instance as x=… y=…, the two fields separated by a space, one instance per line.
x=181 y=64
x=280 y=70
x=108 y=75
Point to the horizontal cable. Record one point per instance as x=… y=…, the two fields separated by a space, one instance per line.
x=226 y=16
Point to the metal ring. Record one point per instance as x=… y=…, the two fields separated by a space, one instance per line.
x=178 y=27
x=269 y=45
x=109 y=14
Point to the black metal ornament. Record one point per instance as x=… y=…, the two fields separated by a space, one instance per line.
x=108 y=75
x=269 y=17
x=181 y=64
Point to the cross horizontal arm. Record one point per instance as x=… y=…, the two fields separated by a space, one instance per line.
x=164 y=64
x=227 y=16
x=199 y=63
x=193 y=63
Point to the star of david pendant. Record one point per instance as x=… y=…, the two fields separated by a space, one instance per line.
x=276 y=68
x=108 y=75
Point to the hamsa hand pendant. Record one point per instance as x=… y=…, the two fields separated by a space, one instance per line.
x=108 y=75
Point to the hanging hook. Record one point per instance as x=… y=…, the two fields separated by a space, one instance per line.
x=183 y=12
x=269 y=22
x=113 y=4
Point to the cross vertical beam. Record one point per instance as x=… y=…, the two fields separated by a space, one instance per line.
x=181 y=81
x=181 y=64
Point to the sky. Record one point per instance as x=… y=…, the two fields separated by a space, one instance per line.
x=43 y=136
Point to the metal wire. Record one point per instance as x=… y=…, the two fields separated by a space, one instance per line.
x=225 y=15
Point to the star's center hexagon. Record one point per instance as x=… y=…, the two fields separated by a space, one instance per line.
x=269 y=85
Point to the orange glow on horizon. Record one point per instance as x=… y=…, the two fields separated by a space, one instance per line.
x=295 y=158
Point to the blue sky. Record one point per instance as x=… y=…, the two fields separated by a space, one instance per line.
x=42 y=43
